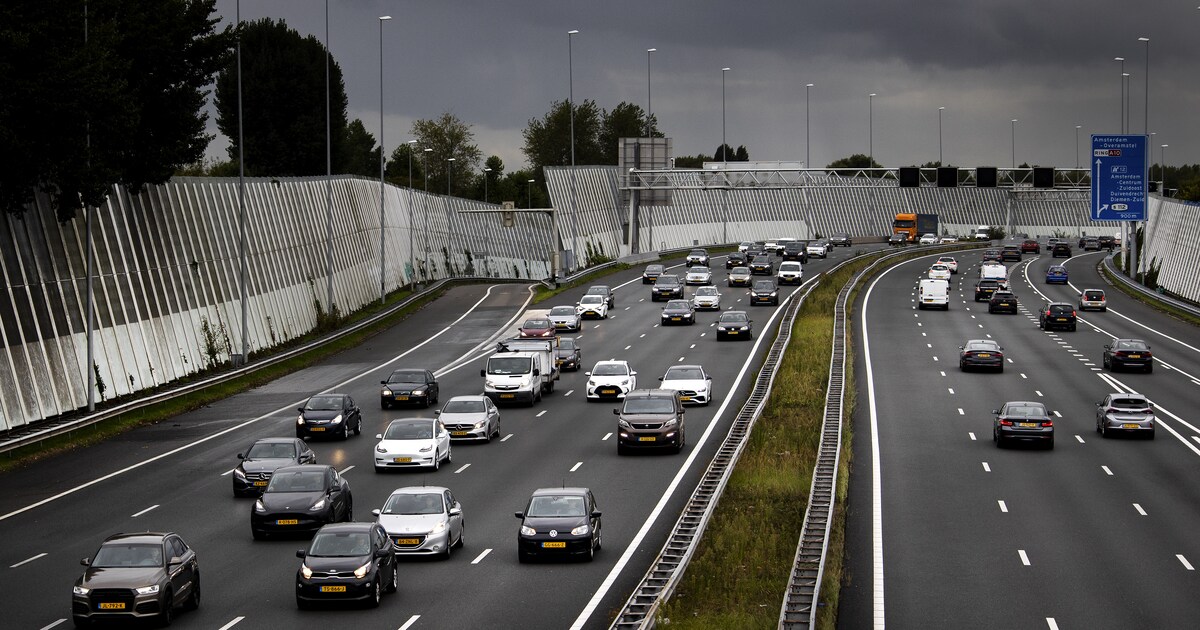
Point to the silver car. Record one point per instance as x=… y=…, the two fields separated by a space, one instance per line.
x=565 y=318
x=706 y=298
x=423 y=521
x=699 y=275
x=1125 y=413
x=470 y=418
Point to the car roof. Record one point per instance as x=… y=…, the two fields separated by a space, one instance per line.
x=304 y=468
x=417 y=490
x=686 y=365
x=275 y=440
x=613 y=361
x=411 y=420
x=136 y=537
x=352 y=526
x=651 y=393
x=563 y=490
x=467 y=397
x=409 y=371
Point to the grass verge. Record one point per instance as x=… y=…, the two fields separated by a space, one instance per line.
x=1159 y=305
x=542 y=293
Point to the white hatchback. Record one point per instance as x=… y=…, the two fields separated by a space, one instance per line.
x=593 y=306
x=706 y=298
x=412 y=443
x=929 y=239
x=950 y=262
x=939 y=272
x=610 y=380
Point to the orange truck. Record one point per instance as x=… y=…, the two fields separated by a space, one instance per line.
x=914 y=225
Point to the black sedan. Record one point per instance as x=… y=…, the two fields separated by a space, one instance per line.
x=137 y=576
x=667 y=286
x=764 y=292
x=568 y=354
x=559 y=522
x=346 y=562
x=1128 y=354
x=734 y=325
x=981 y=353
x=840 y=239
x=678 y=312
x=762 y=266
x=1060 y=249
x=409 y=386
x=735 y=259
x=651 y=273
x=1023 y=421
x=329 y=415
x=300 y=499
x=263 y=458
x=1003 y=302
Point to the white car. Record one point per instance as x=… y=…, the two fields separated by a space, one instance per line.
x=706 y=298
x=698 y=275
x=950 y=262
x=948 y=239
x=745 y=245
x=422 y=521
x=470 y=418
x=565 y=318
x=592 y=306
x=928 y=239
x=691 y=381
x=610 y=380
x=781 y=243
x=412 y=443
x=790 y=272
x=818 y=249
x=939 y=272
x=771 y=246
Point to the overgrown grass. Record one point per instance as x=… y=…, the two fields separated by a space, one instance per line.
x=542 y=293
x=159 y=412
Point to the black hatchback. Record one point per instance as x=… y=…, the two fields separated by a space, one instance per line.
x=329 y=415
x=346 y=562
x=1003 y=302
x=559 y=522
x=764 y=292
x=1060 y=249
x=300 y=499
x=410 y=386
x=1057 y=315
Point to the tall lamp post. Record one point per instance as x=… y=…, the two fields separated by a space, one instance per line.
x=807 y=144
x=1014 y=146
x=1077 y=127
x=425 y=167
x=649 y=125
x=241 y=214
x=724 y=165
x=940 y=110
x=1146 y=108
x=412 y=269
x=449 y=214
x=529 y=194
x=382 y=163
x=1162 y=169
x=1122 y=60
x=1125 y=107
x=329 y=173
x=486 y=170
x=871 y=129
x=571 y=102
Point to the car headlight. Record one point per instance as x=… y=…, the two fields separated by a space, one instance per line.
x=527 y=530
x=259 y=507
x=81 y=590
x=744 y=328
x=439 y=528
x=623 y=424
x=305 y=571
x=300 y=420
x=774 y=293
x=481 y=424
x=337 y=419
x=386 y=392
x=361 y=572
x=489 y=383
x=624 y=382
x=379 y=448
x=426 y=449
x=579 y=531
x=418 y=392
x=670 y=423
x=591 y=383
x=239 y=473
x=147 y=590
x=319 y=505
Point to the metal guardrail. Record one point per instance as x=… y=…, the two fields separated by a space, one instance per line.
x=1120 y=276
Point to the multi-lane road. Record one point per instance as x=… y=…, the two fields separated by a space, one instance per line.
x=174 y=476
x=945 y=530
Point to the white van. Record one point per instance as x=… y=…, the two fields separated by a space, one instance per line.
x=983 y=233
x=933 y=293
x=993 y=271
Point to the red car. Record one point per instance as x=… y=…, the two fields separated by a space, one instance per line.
x=536 y=328
x=1030 y=246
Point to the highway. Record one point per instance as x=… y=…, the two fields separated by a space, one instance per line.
x=173 y=476
x=945 y=530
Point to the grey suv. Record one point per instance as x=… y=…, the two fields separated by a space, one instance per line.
x=650 y=418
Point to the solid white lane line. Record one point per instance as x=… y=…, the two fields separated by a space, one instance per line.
x=1187 y=565
x=1080 y=438
x=1139 y=509
x=137 y=514
x=576 y=466
x=481 y=556
x=505 y=438
x=28 y=560
x=1051 y=623
x=606 y=436
x=569 y=392
x=346 y=469
x=1024 y=557
x=986 y=468
x=1003 y=507
x=63 y=620
x=1108 y=471
x=464 y=467
x=411 y=620
x=236 y=621
x=541 y=413
x=972 y=434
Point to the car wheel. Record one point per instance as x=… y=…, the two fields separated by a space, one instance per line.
x=1103 y=430
x=437 y=461
x=599 y=537
x=81 y=622
x=1151 y=435
x=1050 y=444
x=591 y=552
x=168 y=612
x=1103 y=309
x=462 y=537
x=358 y=427
x=385 y=405
x=395 y=583
x=379 y=469
x=522 y=557
x=621 y=450
x=1072 y=327
x=193 y=601
x=1149 y=368
x=1001 y=368
x=449 y=454
x=376 y=594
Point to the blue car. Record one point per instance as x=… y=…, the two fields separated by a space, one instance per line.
x=1056 y=273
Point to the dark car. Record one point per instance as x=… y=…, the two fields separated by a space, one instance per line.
x=795 y=251
x=1128 y=353
x=981 y=353
x=651 y=273
x=764 y=292
x=1107 y=242
x=346 y=562
x=734 y=325
x=568 y=354
x=1003 y=302
x=990 y=255
x=1031 y=246
x=735 y=259
x=603 y=289
x=1057 y=315
x=263 y=458
x=1010 y=252
x=697 y=257
x=650 y=418
x=666 y=287
x=409 y=386
x=1131 y=414
x=1057 y=274
x=840 y=239
x=559 y=522
x=1091 y=244
x=536 y=327
x=329 y=415
x=137 y=576
x=762 y=266
x=1023 y=421
x=300 y=499
x=678 y=312
x=1061 y=249
x=900 y=239
x=985 y=288
x=739 y=277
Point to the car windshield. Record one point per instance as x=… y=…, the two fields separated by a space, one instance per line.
x=789 y=266
x=597 y=290
x=649 y=405
x=272 y=450
x=764 y=285
x=740 y=271
x=666 y=280
x=549 y=506
x=761 y=260
x=610 y=369
x=297 y=481
x=733 y=318
x=427 y=503
x=340 y=544
x=707 y=291
x=323 y=403
x=1131 y=345
x=508 y=365
x=116 y=555
x=1003 y=295
x=463 y=406
x=697 y=252
x=654 y=268
x=945 y=259
x=684 y=373
x=566 y=344
x=678 y=305
x=1058 y=269
x=537 y=323
x=1024 y=410
x=940 y=268
x=562 y=310
x=407 y=431
x=980 y=345
x=407 y=377
x=592 y=299
x=698 y=270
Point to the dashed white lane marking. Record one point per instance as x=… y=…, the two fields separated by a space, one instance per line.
x=1038 y=392
x=1187 y=565
x=986 y=468
x=654 y=326
x=1107 y=471
x=1080 y=438
x=1009 y=360
x=346 y=469
x=1024 y=557
x=569 y=392
x=628 y=347
x=541 y=413
x=411 y=620
x=942 y=373
x=1139 y=509
x=481 y=556
x=972 y=434
x=1003 y=506
x=701 y=334
x=935 y=358
x=641 y=335
x=928 y=345
x=576 y=466
x=464 y=467
x=924 y=334
x=505 y=438
x=1023 y=375
x=981 y=325
x=951 y=390
x=1057 y=415
x=680 y=358
x=1051 y=623
x=144 y=511
x=960 y=410
x=920 y=324
x=236 y=621
x=628 y=307
x=606 y=436
x=27 y=560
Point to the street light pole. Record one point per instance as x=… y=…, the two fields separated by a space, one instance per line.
x=807 y=143
x=241 y=205
x=1162 y=170
x=412 y=269
x=1122 y=60
x=1146 y=108
x=1014 y=146
x=1077 y=145
x=940 y=110
x=329 y=172
x=724 y=166
x=871 y=130
x=449 y=215
x=425 y=222
x=1125 y=106
x=382 y=162
x=571 y=101
x=649 y=127
x=486 y=170
x=529 y=194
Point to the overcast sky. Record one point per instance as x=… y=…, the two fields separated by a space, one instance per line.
x=1050 y=65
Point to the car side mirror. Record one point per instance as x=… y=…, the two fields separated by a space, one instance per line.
x=300 y=409
x=455 y=511
x=633 y=373
x=660 y=378
x=381 y=553
x=87 y=562
x=437 y=412
x=616 y=412
x=241 y=456
x=1108 y=347
x=175 y=560
x=996 y=411
x=300 y=553
x=519 y=514
x=587 y=373
x=482 y=372
x=595 y=513
x=375 y=512
x=383 y=382
x=378 y=436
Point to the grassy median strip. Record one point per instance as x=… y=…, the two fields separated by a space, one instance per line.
x=1160 y=305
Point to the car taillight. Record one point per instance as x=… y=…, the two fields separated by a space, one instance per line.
x=1048 y=423
x=1120 y=353
x=1007 y=423
x=1073 y=313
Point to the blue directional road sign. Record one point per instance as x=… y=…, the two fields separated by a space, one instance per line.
x=1119 y=173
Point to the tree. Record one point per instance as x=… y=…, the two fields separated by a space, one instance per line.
x=626 y=120
x=283 y=101
x=449 y=137
x=397 y=166
x=359 y=153
x=548 y=139
x=740 y=155
x=692 y=161
x=124 y=107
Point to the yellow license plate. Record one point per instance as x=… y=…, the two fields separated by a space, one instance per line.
x=315 y=429
x=408 y=541
x=685 y=398
x=402 y=460
x=733 y=332
x=646 y=438
x=1131 y=426
x=402 y=398
x=460 y=433
x=984 y=355
x=1003 y=304
x=554 y=545
x=608 y=391
x=1027 y=425
x=674 y=319
x=111 y=606
x=1060 y=319
x=508 y=395
x=560 y=325
x=288 y=521
x=333 y=589
x=1135 y=356
x=260 y=483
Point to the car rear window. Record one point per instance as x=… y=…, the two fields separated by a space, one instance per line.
x=1130 y=403
x=1093 y=295
x=1061 y=309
